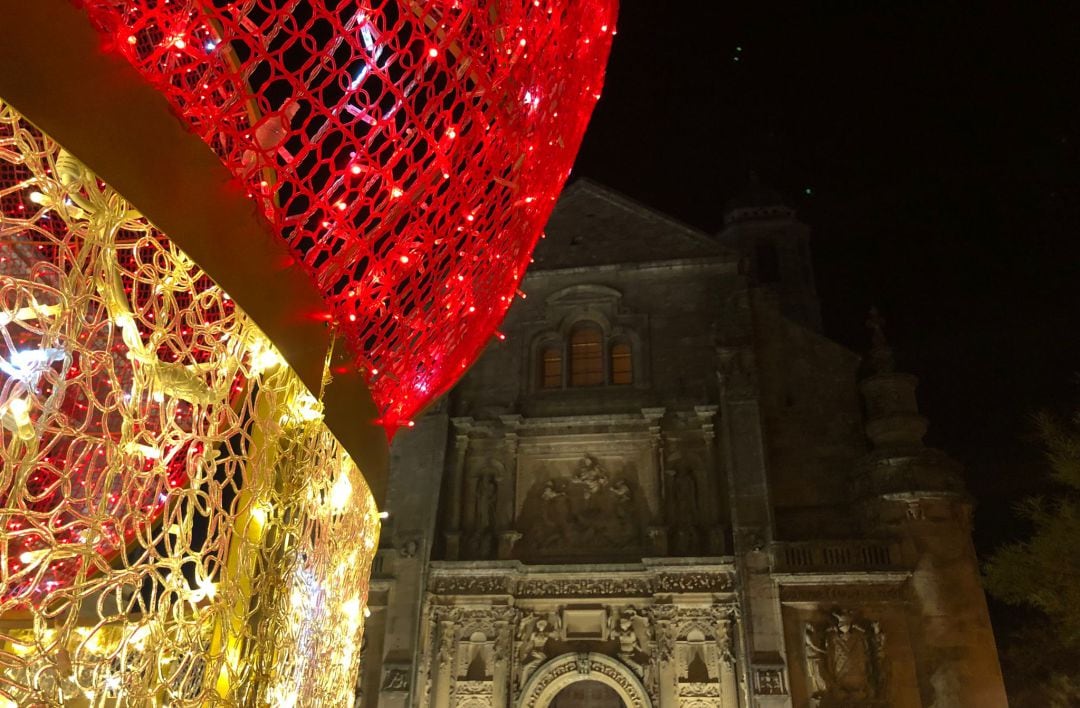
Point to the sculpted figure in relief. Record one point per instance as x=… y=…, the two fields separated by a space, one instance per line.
x=631 y=630
x=534 y=634
x=845 y=661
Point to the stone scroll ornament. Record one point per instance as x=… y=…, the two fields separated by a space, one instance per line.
x=408 y=153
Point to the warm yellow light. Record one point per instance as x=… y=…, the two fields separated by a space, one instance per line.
x=351 y=608
x=340 y=493
x=263 y=356
x=305 y=409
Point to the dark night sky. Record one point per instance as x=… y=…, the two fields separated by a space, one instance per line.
x=941 y=142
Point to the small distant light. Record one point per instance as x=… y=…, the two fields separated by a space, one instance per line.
x=132 y=40
x=433 y=52
x=355 y=169
x=384 y=515
x=396 y=192
x=404 y=259
x=179 y=43
x=808 y=191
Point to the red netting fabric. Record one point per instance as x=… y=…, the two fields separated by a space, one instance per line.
x=409 y=153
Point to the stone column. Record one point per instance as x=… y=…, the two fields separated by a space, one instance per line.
x=455 y=490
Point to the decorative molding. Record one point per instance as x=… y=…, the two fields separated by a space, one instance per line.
x=585 y=587
x=845 y=593
x=625 y=584
x=560 y=672
x=471 y=585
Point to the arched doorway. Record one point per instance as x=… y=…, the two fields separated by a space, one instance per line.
x=587 y=694
x=545 y=686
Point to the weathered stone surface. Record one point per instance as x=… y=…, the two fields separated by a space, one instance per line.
x=729 y=516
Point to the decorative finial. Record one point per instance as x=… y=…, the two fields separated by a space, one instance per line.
x=881 y=354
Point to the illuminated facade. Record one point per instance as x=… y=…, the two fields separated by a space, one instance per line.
x=240 y=242
x=668 y=488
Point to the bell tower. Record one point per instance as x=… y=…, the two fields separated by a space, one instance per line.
x=775 y=250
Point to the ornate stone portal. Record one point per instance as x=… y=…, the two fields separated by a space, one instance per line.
x=504 y=632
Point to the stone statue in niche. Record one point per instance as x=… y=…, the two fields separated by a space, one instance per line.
x=585 y=511
x=485 y=498
x=845 y=661
x=486 y=493
x=534 y=633
x=683 y=512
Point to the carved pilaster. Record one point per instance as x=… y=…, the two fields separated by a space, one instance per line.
x=654 y=417
x=507 y=490
x=717 y=499
x=444 y=664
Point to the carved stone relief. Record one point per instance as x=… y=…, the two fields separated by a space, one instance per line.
x=845 y=661
x=769 y=682
x=632 y=632
x=395 y=679
x=586 y=511
x=535 y=632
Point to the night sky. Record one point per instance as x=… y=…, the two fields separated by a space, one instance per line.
x=940 y=144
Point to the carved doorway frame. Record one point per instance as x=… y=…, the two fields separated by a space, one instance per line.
x=556 y=674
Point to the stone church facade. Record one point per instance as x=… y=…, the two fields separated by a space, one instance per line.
x=667 y=488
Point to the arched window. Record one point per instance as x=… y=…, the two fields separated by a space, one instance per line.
x=586 y=355
x=551 y=366
x=622 y=364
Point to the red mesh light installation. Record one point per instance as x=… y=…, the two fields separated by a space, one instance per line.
x=409 y=153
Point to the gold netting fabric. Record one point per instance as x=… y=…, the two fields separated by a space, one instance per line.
x=179 y=527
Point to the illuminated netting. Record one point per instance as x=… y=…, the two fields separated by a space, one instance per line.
x=408 y=152
x=179 y=527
